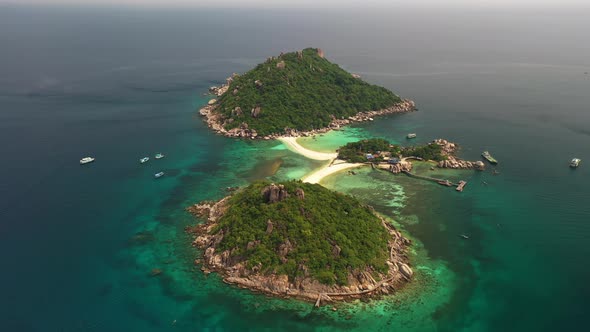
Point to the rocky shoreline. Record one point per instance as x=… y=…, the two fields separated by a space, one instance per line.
x=449 y=149
x=217 y=122
x=361 y=284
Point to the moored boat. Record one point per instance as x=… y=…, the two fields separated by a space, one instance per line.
x=464 y=236
x=411 y=135
x=489 y=157
x=159 y=156
x=144 y=160
x=575 y=162
x=86 y=160
x=159 y=175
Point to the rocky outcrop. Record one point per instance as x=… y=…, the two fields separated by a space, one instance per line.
x=220 y=90
x=454 y=163
x=237 y=111
x=300 y=193
x=281 y=65
x=402 y=166
x=449 y=149
x=256 y=112
x=320 y=53
x=274 y=193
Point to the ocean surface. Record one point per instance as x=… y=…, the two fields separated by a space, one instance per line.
x=79 y=245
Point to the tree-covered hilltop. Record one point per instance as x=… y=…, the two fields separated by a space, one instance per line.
x=300 y=229
x=300 y=90
x=377 y=149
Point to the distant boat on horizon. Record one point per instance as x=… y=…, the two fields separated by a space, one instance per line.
x=575 y=162
x=86 y=160
x=489 y=157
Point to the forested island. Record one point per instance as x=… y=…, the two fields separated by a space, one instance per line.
x=300 y=240
x=378 y=150
x=296 y=94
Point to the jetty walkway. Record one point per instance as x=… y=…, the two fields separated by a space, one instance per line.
x=459 y=185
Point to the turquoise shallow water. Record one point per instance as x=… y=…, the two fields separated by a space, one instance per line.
x=78 y=244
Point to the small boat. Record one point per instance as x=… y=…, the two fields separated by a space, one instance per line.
x=489 y=157
x=144 y=160
x=464 y=236
x=86 y=160
x=159 y=156
x=575 y=162
x=411 y=135
x=159 y=175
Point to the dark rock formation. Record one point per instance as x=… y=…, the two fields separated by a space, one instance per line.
x=274 y=193
x=256 y=111
x=236 y=111
x=336 y=250
x=300 y=193
x=269 y=226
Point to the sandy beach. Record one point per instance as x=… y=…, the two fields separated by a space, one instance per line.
x=291 y=144
x=317 y=175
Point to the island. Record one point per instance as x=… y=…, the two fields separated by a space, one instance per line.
x=397 y=158
x=296 y=94
x=300 y=240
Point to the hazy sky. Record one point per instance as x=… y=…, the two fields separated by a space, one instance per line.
x=314 y=3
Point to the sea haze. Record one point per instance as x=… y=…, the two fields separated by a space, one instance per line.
x=78 y=243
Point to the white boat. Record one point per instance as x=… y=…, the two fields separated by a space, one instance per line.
x=575 y=162
x=159 y=156
x=144 y=160
x=411 y=135
x=86 y=160
x=159 y=175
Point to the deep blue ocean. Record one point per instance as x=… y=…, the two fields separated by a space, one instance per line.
x=78 y=244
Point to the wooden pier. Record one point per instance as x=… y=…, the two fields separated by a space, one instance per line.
x=459 y=186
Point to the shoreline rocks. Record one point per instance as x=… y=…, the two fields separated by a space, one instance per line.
x=449 y=149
